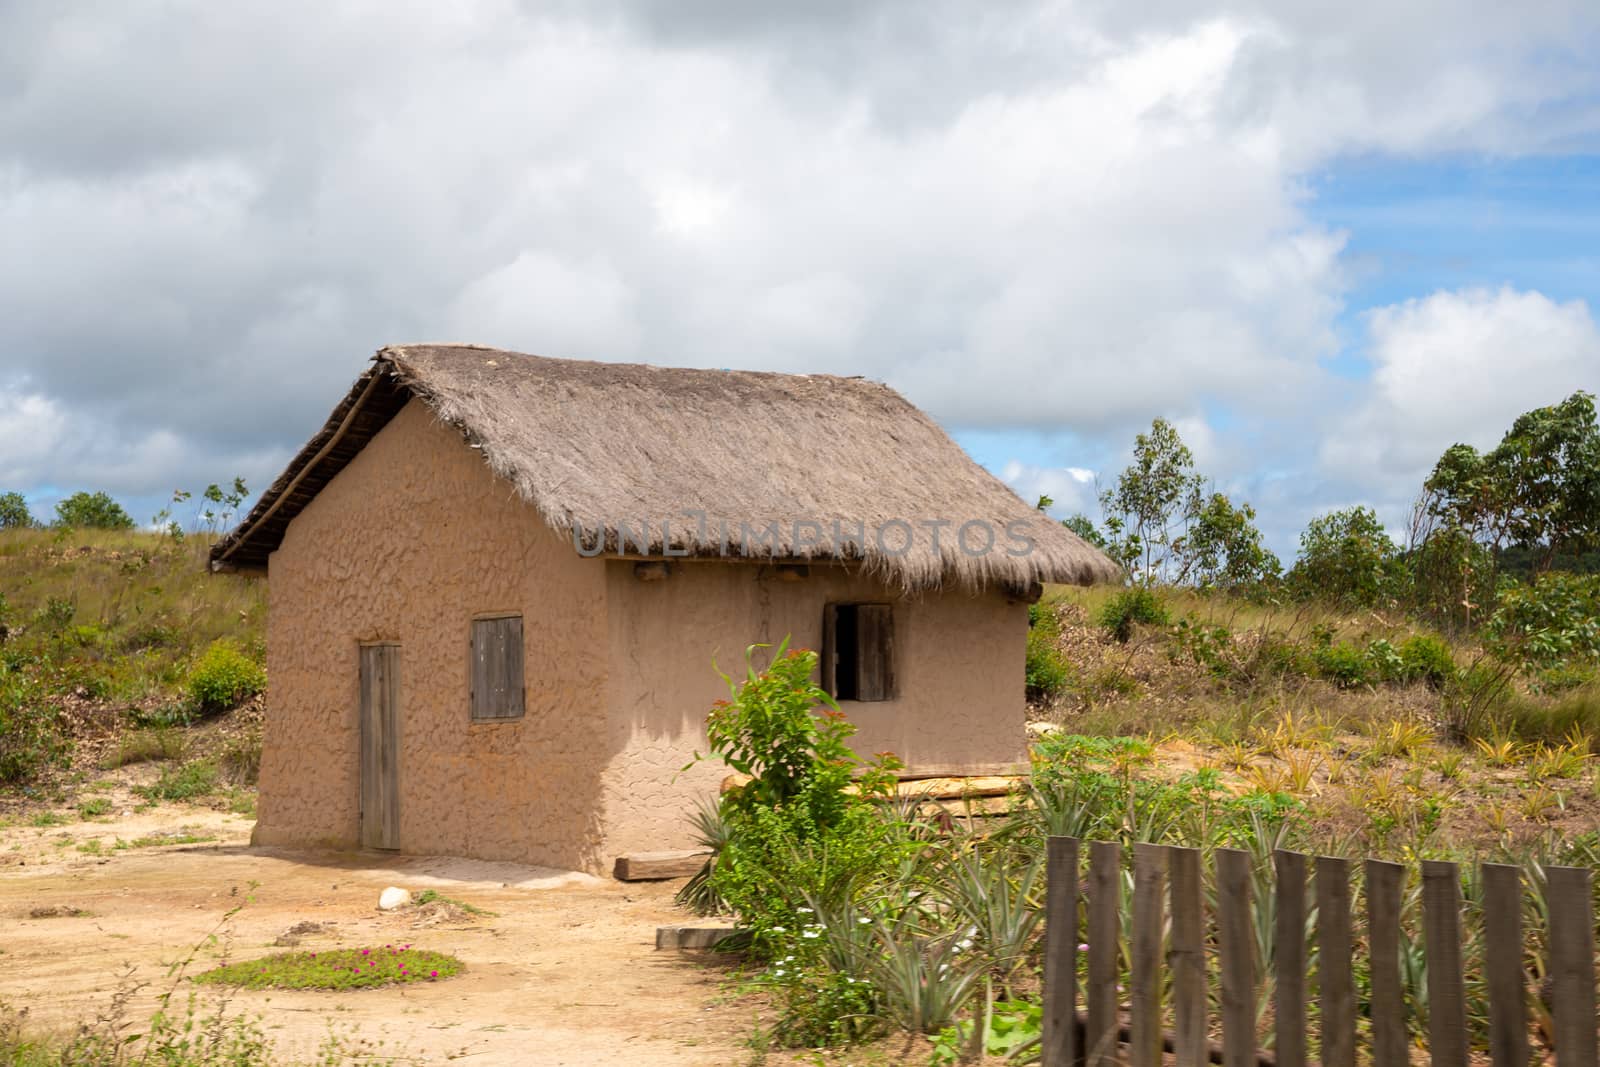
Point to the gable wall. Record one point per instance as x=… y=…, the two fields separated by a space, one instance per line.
x=407 y=544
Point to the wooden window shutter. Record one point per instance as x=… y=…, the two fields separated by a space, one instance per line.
x=496 y=674
x=830 y=649
x=875 y=658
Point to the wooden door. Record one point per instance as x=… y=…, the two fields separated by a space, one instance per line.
x=380 y=746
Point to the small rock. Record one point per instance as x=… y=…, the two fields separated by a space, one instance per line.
x=1043 y=729
x=392 y=898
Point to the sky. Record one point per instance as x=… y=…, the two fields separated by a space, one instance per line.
x=1325 y=240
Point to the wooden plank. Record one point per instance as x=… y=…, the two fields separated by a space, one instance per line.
x=1336 y=996
x=371 y=782
x=1503 y=965
x=691 y=937
x=1149 y=880
x=1058 y=1047
x=1187 y=959
x=1105 y=899
x=1441 y=932
x=1570 y=898
x=1289 y=959
x=875 y=651
x=1236 y=948
x=654 y=866
x=379 y=714
x=1385 y=881
x=513 y=679
x=389 y=769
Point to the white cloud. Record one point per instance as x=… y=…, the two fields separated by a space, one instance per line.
x=1062 y=217
x=1458 y=367
x=1071 y=488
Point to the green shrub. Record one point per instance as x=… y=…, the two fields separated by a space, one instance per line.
x=1345 y=665
x=1385 y=661
x=1048 y=670
x=224 y=678
x=1427 y=659
x=1277 y=656
x=1551 y=624
x=1130 y=606
x=32 y=736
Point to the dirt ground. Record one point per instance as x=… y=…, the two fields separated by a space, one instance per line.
x=566 y=972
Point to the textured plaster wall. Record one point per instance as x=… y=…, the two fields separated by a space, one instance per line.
x=959 y=673
x=416 y=537
x=407 y=544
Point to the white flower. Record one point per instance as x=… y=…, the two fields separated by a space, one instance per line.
x=778 y=973
x=863 y=920
x=811 y=933
x=805 y=911
x=779 y=930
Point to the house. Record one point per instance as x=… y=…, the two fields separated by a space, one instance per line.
x=499 y=587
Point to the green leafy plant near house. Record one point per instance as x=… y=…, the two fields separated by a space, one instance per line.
x=224 y=677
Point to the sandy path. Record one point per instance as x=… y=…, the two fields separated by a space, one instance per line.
x=565 y=974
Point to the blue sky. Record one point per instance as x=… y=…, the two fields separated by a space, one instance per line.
x=1326 y=242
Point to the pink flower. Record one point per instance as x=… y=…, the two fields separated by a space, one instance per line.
x=433 y=974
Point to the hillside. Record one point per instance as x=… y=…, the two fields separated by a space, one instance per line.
x=1381 y=735
x=120 y=648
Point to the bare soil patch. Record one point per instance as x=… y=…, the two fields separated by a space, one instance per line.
x=564 y=972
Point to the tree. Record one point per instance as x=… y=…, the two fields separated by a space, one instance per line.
x=1223 y=548
x=14 y=513
x=1546 y=476
x=1154 y=499
x=1084 y=527
x=1347 y=556
x=95 y=511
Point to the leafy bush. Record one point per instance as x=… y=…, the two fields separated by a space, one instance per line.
x=1129 y=606
x=1048 y=670
x=1553 y=623
x=1346 y=666
x=1427 y=659
x=94 y=511
x=795 y=831
x=224 y=678
x=32 y=737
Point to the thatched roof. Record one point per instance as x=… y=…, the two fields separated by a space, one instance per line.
x=788 y=467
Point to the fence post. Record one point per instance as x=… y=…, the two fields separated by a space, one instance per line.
x=1187 y=959
x=1336 y=994
x=1502 y=960
x=1384 y=883
x=1289 y=959
x=1105 y=927
x=1236 y=947
x=1058 y=1047
x=1441 y=932
x=1572 y=964
x=1144 y=1023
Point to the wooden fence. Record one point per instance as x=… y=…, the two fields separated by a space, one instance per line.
x=1169 y=946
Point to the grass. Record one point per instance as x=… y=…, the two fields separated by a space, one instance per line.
x=352 y=968
x=147 y=746
x=432 y=896
x=182 y=837
x=189 y=781
x=94 y=807
x=48 y=818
